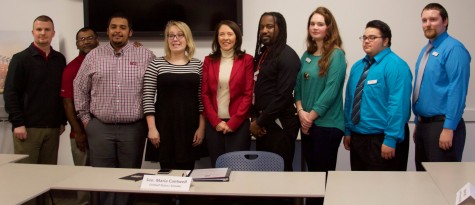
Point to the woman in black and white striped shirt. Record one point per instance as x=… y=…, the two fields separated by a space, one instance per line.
x=175 y=120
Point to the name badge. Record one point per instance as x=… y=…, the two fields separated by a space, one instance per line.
x=371 y=82
x=435 y=53
x=308 y=60
x=166 y=183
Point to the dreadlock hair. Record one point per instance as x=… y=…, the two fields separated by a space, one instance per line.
x=331 y=41
x=280 y=42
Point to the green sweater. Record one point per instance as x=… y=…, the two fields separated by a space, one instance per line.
x=323 y=94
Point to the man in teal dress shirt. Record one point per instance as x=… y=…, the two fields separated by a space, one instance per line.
x=440 y=91
x=376 y=131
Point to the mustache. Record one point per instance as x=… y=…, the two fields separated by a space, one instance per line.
x=117 y=34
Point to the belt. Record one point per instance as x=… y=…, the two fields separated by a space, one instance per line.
x=437 y=118
x=121 y=123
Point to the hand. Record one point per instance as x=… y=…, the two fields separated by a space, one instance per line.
x=154 y=137
x=61 y=129
x=305 y=120
x=414 y=134
x=346 y=142
x=198 y=138
x=227 y=129
x=445 y=140
x=85 y=123
x=221 y=126
x=305 y=130
x=81 y=142
x=20 y=133
x=256 y=130
x=387 y=152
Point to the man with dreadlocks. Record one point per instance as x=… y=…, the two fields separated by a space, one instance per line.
x=274 y=122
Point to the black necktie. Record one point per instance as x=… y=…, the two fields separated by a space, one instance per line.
x=355 y=113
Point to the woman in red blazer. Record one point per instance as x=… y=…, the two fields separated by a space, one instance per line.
x=227 y=92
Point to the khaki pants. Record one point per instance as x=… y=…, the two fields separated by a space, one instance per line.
x=80 y=159
x=41 y=146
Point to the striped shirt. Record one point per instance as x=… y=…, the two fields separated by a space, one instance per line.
x=161 y=66
x=109 y=87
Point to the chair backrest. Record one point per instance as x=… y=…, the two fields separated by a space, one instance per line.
x=251 y=161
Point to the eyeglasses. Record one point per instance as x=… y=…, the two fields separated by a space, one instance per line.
x=369 y=38
x=177 y=36
x=89 y=38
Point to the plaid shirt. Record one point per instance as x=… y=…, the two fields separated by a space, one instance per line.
x=109 y=86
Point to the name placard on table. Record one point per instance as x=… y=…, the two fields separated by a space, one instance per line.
x=165 y=183
x=466 y=195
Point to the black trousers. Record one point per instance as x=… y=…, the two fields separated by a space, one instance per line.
x=219 y=143
x=427 y=144
x=320 y=148
x=320 y=151
x=365 y=153
x=281 y=140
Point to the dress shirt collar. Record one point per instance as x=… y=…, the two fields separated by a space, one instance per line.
x=122 y=50
x=379 y=56
x=439 y=39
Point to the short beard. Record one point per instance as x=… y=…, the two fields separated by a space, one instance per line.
x=118 y=44
x=430 y=33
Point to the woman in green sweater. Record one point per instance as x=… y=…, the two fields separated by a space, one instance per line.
x=318 y=92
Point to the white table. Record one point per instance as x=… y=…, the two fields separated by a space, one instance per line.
x=451 y=176
x=22 y=182
x=272 y=184
x=377 y=188
x=7 y=158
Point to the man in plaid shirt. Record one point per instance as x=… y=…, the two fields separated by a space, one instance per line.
x=108 y=99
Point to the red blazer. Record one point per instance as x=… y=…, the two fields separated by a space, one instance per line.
x=241 y=84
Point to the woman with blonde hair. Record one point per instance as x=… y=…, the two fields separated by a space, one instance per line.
x=175 y=120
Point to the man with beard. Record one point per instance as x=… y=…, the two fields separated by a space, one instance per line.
x=440 y=90
x=274 y=121
x=108 y=99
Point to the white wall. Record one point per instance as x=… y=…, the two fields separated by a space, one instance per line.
x=402 y=16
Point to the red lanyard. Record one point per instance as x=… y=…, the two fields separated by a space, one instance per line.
x=261 y=60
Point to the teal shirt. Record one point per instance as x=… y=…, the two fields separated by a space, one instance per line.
x=323 y=94
x=386 y=99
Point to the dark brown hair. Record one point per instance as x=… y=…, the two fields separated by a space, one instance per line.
x=216 y=54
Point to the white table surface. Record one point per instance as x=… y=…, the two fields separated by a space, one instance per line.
x=7 y=158
x=382 y=188
x=275 y=184
x=451 y=176
x=22 y=182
